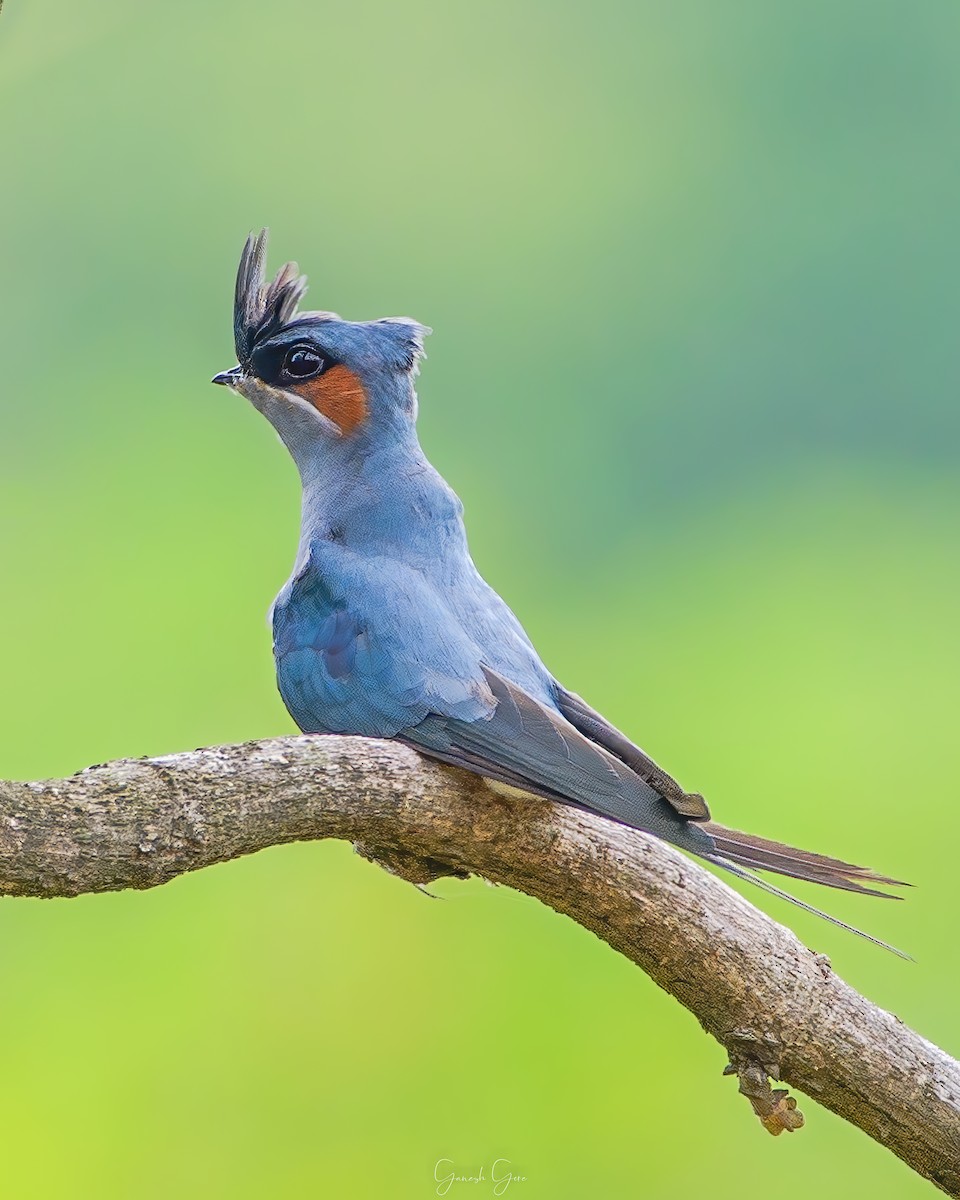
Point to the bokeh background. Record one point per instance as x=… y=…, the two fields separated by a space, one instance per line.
x=693 y=274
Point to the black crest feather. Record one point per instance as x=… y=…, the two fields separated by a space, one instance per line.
x=260 y=309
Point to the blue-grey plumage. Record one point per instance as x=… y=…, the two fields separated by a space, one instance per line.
x=385 y=627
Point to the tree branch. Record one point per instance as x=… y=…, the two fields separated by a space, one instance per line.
x=777 y=1008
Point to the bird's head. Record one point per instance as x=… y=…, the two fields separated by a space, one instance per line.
x=316 y=378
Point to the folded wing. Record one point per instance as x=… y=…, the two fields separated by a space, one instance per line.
x=529 y=746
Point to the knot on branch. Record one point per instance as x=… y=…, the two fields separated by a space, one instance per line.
x=754 y=1059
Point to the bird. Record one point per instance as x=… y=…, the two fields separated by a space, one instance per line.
x=386 y=628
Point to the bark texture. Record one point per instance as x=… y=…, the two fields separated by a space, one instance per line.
x=777 y=1008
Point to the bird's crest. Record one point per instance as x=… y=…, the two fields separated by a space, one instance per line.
x=260 y=309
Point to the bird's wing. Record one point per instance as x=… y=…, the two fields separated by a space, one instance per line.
x=529 y=746
x=598 y=729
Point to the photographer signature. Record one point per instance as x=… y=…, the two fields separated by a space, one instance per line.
x=501 y=1175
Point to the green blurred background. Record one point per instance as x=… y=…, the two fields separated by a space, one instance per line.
x=693 y=274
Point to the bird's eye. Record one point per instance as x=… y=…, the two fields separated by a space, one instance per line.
x=302 y=362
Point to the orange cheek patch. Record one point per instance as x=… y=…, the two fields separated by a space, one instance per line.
x=339 y=395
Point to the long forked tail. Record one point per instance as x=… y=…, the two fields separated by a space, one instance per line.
x=742 y=854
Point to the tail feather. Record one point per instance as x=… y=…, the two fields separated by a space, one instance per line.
x=762 y=854
x=797 y=872
x=742 y=854
x=743 y=873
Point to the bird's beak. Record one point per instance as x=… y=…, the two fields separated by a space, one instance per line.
x=229 y=378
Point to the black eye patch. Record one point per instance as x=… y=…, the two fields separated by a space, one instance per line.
x=289 y=364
